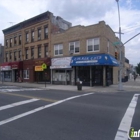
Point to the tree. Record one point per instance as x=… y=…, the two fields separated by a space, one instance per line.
x=138 y=68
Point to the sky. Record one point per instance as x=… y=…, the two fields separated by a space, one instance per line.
x=80 y=12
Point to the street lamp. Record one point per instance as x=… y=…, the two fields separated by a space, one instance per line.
x=120 y=86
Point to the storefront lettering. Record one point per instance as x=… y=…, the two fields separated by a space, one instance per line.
x=39 y=62
x=87 y=58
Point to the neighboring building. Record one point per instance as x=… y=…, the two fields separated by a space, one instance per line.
x=27 y=47
x=1 y=59
x=85 y=53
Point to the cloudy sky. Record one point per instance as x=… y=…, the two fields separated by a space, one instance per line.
x=83 y=12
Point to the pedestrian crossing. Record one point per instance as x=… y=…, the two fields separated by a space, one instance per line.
x=16 y=89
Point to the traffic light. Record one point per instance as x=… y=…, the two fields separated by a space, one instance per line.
x=116 y=55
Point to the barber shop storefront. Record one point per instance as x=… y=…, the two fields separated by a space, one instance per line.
x=94 y=69
x=33 y=70
x=12 y=71
x=61 y=71
x=6 y=72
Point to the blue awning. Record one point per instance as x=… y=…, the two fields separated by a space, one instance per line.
x=94 y=59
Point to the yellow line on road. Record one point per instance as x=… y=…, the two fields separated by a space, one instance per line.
x=26 y=96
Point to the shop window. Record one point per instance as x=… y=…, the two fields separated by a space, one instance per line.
x=46 y=50
x=58 y=49
x=74 y=47
x=7 y=74
x=26 y=74
x=45 y=32
x=93 y=45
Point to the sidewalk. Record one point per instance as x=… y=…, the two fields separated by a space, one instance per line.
x=131 y=85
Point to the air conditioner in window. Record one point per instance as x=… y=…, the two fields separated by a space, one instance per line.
x=71 y=51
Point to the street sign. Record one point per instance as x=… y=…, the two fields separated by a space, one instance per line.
x=44 y=66
x=116 y=43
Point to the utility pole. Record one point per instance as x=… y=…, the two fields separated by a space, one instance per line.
x=120 y=86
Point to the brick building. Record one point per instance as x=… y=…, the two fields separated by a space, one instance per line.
x=85 y=53
x=27 y=47
x=1 y=59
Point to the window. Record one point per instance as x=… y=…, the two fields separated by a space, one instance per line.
x=27 y=37
x=7 y=74
x=20 y=39
x=15 y=40
x=108 y=44
x=7 y=43
x=6 y=55
x=15 y=57
x=93 y=45
x=10 y=42
x=26 y=74
x=32 y=52
x=10 y=56
x=74 y=47
x=46 y=50
x=58 y=49
x=26 y=53
x=39 y=51
x=39 y=34
x=19 y=54
x=32 y=36
x=45 y=32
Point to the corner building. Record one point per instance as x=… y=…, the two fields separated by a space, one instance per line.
x=27 y=47
x=85 y=53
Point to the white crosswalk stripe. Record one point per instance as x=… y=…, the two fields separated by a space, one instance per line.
x=17 y=104
x=15 y=88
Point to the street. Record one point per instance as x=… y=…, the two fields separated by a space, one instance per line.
x=39 y=114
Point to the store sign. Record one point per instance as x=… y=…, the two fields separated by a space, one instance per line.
x=94 y=59
x=5 y=68
x=61 y=61
x=14 y=66
x=61 y=67
x=38 y=68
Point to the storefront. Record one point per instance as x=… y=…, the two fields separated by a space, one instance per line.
x=6 y=72
x=94 y=69
x=33 y=72
x=17 y=71
x=61 y=71
x=12 y=71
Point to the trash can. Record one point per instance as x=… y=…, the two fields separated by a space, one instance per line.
x=79 y=85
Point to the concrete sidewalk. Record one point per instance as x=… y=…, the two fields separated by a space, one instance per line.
x=131 y=85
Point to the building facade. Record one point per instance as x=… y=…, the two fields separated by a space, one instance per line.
x=85 y=53
x=27 y=47
x=1 y=59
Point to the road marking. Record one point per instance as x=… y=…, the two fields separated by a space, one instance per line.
x=41 y=108
x=26 y=96
x=17 y=104
x=123 y=130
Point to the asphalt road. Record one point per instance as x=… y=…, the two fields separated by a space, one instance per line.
x=65 y=115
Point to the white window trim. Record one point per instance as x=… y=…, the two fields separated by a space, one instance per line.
x=93 y=50
x=58 y=49
x=26 y=74
x=74 y=47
